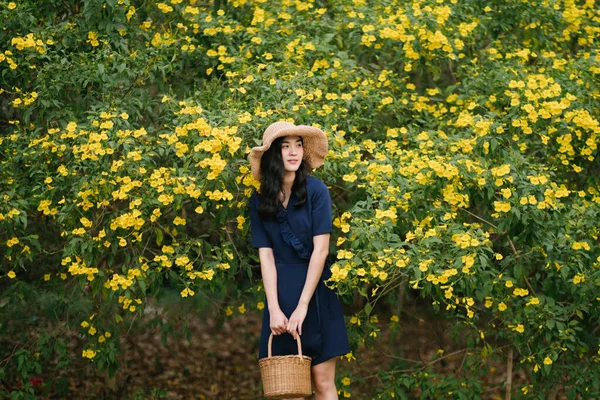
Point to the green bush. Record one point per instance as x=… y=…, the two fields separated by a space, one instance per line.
x=463 y=163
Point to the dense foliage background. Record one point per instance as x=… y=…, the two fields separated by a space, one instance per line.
x=463 y=166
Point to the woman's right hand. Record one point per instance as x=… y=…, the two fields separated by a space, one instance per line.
x=278 y=322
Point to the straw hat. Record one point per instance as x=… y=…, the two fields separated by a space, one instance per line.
x=315 y=144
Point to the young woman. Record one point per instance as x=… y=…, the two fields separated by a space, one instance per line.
x=291 y=223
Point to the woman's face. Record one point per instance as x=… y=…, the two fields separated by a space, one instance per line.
x=292 y=152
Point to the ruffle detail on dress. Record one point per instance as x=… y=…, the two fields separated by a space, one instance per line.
x=288 y=235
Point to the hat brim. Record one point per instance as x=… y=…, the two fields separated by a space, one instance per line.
x=314 y=143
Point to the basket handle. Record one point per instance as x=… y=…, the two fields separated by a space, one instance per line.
x=297 y=340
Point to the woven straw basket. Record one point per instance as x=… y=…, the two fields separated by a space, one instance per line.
x=285 y=377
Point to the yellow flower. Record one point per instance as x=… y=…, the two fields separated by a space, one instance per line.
x=506 y=193
x=448 y=292
x=187 y=292
x=501 y=206
x=387 y=100
x=181 y=261
x=547 y=361
x=520 y=292
x=242 y=309
x=240 y=220
x=501 y=170
x=580 y=245
x=11 y=6
x=11 y=274
x=532 y=200
x=349 y=178
x=424 y=265
x=533 y=301
x=346 y=381
x=502 y=306
x=165 y=8
x=179 y=221
x=93 y=39
x=165 y=199
x=260 y=305
x=88 y=353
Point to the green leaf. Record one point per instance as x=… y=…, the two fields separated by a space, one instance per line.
x=362 y=292
x=159 y=236
x=368 y=308
x=142 y=284
x=517 y=271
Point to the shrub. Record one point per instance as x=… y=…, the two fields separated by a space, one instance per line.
x=463 y=162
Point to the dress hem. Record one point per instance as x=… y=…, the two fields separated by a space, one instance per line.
x=327 y=358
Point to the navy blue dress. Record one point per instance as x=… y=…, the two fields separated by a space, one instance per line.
x=290 y=235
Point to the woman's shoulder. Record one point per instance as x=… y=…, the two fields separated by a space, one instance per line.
x=315 y=185
x=255 y=198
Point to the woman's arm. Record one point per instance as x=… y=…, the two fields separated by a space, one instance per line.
x=315 y=269
x=269 y=275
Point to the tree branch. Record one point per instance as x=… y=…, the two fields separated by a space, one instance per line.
x=478 y=217
x=509 y=365
x=427 y=364
x=512 y=245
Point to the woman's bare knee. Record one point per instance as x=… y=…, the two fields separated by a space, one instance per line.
x=324 y=378
x=324 y=384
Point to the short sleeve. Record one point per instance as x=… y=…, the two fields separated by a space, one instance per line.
x=321 y=209
x=260 y=238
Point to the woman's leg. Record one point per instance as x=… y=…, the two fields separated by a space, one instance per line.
x=323 y=376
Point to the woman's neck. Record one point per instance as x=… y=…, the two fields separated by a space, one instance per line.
x=288 y=181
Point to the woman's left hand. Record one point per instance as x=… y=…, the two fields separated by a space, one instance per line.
x=294 y=325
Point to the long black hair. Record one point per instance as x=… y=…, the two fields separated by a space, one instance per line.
x=272 y=170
